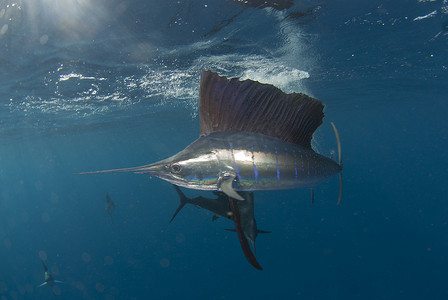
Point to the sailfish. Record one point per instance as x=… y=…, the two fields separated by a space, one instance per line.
x=253 y=137
x=221 y=208
x=110 y=207
x=49 y=280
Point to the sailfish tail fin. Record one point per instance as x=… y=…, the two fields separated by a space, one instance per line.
x=183 y=200
x=336 y=133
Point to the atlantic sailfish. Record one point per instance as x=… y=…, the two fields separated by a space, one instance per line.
x=252 y=137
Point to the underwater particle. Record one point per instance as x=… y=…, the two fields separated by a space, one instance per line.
x=38 y=185
x=29 y=288
x=79 y=285
x=45 y=217
x=165 y=262
x=3 y=287
x=108 y=260
x=4 y=29
x=43 y=255
x=21 y=289
x=14 y=295
x=7 y=243
x=25 y=216
x=99 y=287
x=54 y=197
x=180 y=238
x=43 y=39
x=56 y=290
x=86 y=257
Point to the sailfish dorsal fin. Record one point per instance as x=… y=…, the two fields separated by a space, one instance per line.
x=251 y=106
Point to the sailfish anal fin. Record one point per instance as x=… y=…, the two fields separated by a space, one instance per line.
x=250 y=106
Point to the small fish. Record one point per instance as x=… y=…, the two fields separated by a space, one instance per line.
x=49 y=280
x=110 y=207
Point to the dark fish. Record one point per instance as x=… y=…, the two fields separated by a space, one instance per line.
x=110 y=207
x=253 y=137
x=224 y=206
x=221 y=208
x=48 y=278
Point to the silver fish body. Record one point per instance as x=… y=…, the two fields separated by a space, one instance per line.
x=256 y=161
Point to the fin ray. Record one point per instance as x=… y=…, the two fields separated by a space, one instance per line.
x=234 y=105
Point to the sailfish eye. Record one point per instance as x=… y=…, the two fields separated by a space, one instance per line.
x=176 y=168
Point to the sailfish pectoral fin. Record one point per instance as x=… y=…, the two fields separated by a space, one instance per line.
x=226 y=186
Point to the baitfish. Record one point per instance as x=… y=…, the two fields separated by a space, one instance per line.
x=253 y=137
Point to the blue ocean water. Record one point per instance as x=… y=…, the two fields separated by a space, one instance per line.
x=90 y=85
